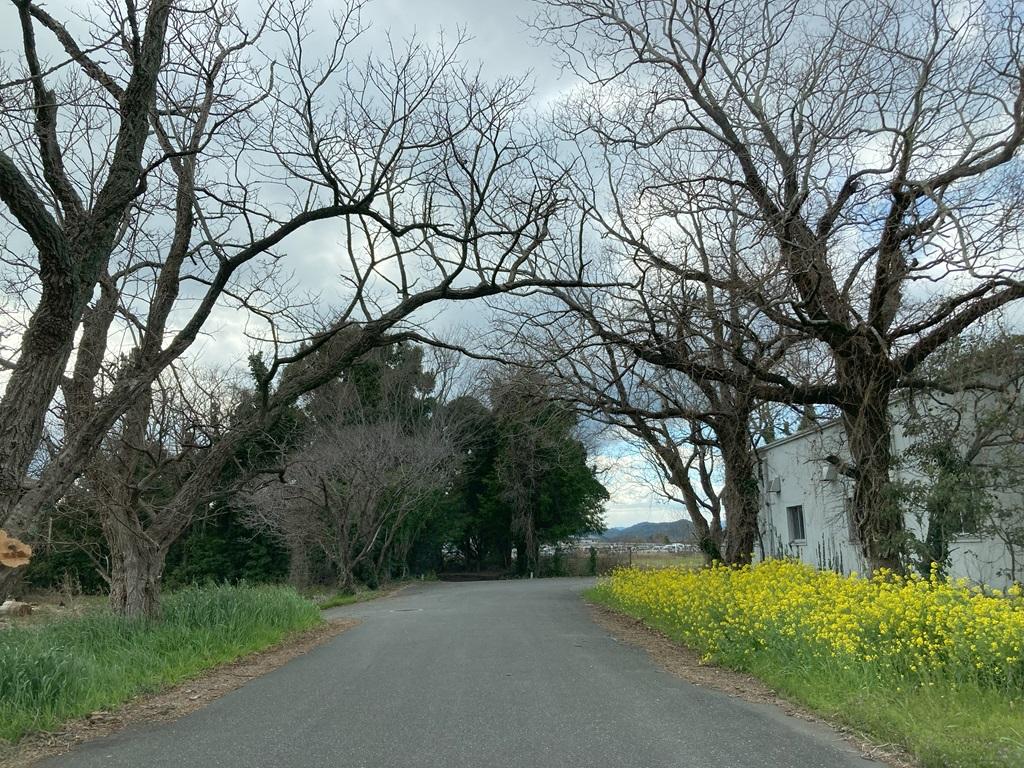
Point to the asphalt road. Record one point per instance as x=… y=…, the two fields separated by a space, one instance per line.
x=474 y=675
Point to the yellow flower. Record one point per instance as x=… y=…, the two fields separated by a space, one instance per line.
x=912 y=627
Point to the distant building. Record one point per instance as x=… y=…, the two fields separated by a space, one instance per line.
x=806 y=500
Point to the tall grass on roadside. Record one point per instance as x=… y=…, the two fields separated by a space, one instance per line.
x=932 y=664
x=74 y=666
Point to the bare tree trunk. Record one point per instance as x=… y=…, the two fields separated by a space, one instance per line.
x=740 y=492
x=708 y=537
x=9 y=580
x=79 y=391
x=346 y=579
x=298 y=565
x=137 y=565
x=527 y=547
x=32 y=384
x=522 y=558
x=71 y=255
x=869 y=434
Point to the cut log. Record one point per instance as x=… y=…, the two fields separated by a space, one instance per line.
x=14 y=608
x=13 y=553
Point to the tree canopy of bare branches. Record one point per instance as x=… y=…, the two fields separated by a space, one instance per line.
x=375 y=457
x=153 y=174
x=850 y=172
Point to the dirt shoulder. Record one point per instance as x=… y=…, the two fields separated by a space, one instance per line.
x=685 y=664
x=172 y=703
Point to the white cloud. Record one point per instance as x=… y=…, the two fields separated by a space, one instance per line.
x=630 y=483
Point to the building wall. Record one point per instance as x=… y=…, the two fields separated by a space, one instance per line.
x=793 y=473
x=982 y=560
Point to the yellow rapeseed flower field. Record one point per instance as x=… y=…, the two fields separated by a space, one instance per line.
x=924 y=631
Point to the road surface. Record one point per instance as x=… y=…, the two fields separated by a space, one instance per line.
x=474 y=675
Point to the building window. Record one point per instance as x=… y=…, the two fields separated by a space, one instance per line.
x=796 y=523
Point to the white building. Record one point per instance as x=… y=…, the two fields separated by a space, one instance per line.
x=806 y=501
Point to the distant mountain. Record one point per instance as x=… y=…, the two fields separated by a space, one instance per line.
x=676 y=531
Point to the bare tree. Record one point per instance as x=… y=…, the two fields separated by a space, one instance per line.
x=232 y=138
x=364 y=471
x=660 y=328
x=656 y=410
x=868 y=154
x=664 y=422
x=72 y=210
x=126 y=485
x=654 y=345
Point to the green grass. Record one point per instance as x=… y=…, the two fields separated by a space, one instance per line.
x=944 y=725
x=363 y=594
x=73 y=666
x=339 y=599
x=577 y=563
x=46 y=610
x=667 y=560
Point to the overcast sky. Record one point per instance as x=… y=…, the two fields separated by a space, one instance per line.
x=502 y=45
